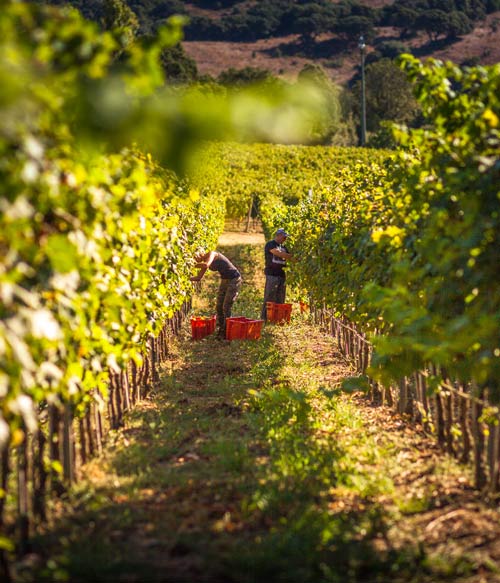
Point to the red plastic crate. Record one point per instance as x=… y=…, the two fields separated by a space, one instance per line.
x=271 y=311
x=211 y=324
x=278 y=313
x=202 y=327
x=235 y=328
x=254 y=329
x=241 y=328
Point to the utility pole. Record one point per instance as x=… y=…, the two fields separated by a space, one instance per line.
x=362 y=47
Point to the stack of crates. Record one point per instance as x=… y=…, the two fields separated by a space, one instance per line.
x=278 y=313
x=241 y=328
x=202 y=327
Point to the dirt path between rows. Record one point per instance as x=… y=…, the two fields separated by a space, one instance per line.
x=233 y=238
x=250 y=464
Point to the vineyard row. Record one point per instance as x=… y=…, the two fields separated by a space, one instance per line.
x=405 y=246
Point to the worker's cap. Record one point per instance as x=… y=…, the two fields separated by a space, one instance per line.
x=282 y=232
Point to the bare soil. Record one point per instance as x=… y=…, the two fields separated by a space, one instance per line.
x=232 y=238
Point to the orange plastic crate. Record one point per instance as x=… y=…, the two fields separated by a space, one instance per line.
x=202 y=327
x=271 y=311
x=242 y=328
x=211 y=324
x=236 y=328
x=278 y=313
x=254 y=329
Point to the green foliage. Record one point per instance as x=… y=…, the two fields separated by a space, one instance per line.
x=240 y=77
x=217 y=4
x=96 y=237
x=411 y=250
x=275 y=175
x=178 y=66
x=240 y=21
x=459 y=24
x=94 y=247
x=333 y=121
x=389 y=95
x=392 y=49
x=404 y=245
x=433 y=22
x=282 y=17
x=452 y=188
x=167 y=8
x=450 y=18
x=351 y=27
x=311 y=19
x=118 y=15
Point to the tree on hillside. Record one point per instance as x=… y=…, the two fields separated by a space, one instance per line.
x=308 y=20
x=202 y=28
x=444 y=5
x=178 y=66
x=392 y=49
x=372 y=14
x=352 y=26
x=166 y=8
x=459 y=24
x=258 y=21
x=117 y=14
x=264 y=18
x=433 y=22
x=216 y=4
x=475 y=9
x=241 y=77
x=389 y=96
x=309 y=26
x=401 y=17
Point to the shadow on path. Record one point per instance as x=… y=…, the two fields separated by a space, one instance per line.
x=246 y=465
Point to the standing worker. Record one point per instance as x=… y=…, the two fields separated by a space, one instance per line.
x=276 y=255
x=230 y=283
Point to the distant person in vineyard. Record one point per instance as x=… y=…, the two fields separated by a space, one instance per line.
x=230 y=283
x=276 y=255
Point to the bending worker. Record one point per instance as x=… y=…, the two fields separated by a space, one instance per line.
x=276 y=255
x=230 y=283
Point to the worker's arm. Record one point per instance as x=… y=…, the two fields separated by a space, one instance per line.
x=204 y=265
x=281 y=254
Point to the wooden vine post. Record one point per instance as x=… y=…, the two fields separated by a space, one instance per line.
x=453 y=412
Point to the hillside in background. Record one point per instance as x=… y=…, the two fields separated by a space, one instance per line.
x=338 y=54
x=282 y=56
x=282 y=36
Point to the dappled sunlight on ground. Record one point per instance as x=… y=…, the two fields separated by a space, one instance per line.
x=248 y=464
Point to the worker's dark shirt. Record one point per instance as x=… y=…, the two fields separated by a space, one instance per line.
x=226 y=269
x=274 y=264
